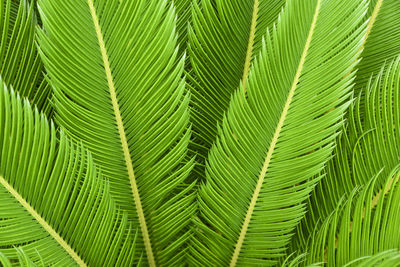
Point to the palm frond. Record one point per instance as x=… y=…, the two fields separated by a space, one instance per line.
x=294 y=260
x=366 y=224
x=184 y=18
x=20 y=64
x=224 y=38
x=382 y=40
x=53 y=202
x=118 y=88
x=369 y=145
x=277 y=136
x=23 y=260
x=390 y=257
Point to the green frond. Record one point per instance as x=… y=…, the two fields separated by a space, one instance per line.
x=53 y=202
x=385 y=258
x=184 y=18
x=369 y=146
x=23 y=260
x=20 y=64
x=390 y=257
x=294 y=261
x=382 y=40
x=118 y=88
x=224 y=38
x=366 y=224
x=276 y=136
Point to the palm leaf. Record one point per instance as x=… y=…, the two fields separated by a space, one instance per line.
x=224 y=38
x=277 y=136
x=370 y=145
x=381 y=41
x=118 y=88
x=293 y=260
x=20 y=64
x=365 y=225
x=390 y=257
x=184 y=18
x=53 y=202
x=23 y=260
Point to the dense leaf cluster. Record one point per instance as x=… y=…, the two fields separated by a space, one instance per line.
x=199 y=133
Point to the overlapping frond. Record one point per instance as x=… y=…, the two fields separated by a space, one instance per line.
x=365 y=225
x=184 y=18
x=382 y=40
x=278 y=134
x=118 y=89
x=295 y=260
x=53 y=202
x=390 y=257
x=23 y=260
x=20 y=63
x=369 y=146
x=224 y=38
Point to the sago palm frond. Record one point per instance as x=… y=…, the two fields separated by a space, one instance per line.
x=365 y=225
x=20 y=64
x=381 y=41
x=278 y=134
x=369 y=145
x=118 y=88
x=184 y=18
x=390 y=257
x=53 y=202
x=295 y=260
x=224 y=38
x=22 y=261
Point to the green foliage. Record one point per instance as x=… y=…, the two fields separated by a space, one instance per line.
x=52 y=198
x=199 y=133
x=20 y=64
x=368 y=147
x=382 y=42
x=23 y=259
x=224 y=38
x=264 y=150
x=118 y=89
x=365 y=225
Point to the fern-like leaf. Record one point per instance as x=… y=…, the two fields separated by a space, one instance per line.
x=278 y=134
x=224 y=38
x=23 y=260
x=184 y=18
x=369 y=145
x=365 y=225
x=118 y=88
x=381 y=41
x=53 y=202
x=20 y=64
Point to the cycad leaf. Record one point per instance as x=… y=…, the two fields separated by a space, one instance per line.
x=380 y=46
x=365 y=225
x=369 y=145
x=276 y=139
x=20 y=64
x=224 y=38
x=382 y=40
x=23 y=260
x=390 y=257
x=53 y=202
x=118 y=88
x=184 y=18
x=293 y=260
